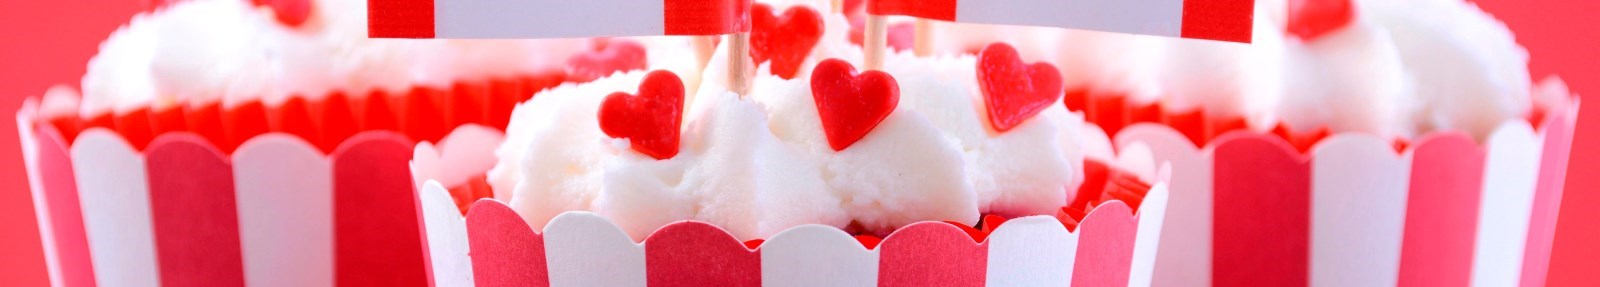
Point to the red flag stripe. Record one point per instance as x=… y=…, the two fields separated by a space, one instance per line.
x=1223 y=20
x=554 y=18
x=706 y=17
x=400 y=19
x=943 y=10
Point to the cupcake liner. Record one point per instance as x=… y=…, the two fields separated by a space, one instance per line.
x=584 y=249
x=1284 y=208
x=1093 y=248
x=303 y=193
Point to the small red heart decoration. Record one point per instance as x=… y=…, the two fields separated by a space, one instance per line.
x=1312 y=19
x=651 y=120
x=289 y=12
x=608 y=56
x=786 y=39
x=851 y=104
x=1013 y=90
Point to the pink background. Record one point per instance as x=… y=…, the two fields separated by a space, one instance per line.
x=48 y=42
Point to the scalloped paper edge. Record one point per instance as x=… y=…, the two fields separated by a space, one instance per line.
x=585 y=249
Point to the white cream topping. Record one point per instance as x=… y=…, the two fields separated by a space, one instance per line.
x=759 y=164
x=1469 y=73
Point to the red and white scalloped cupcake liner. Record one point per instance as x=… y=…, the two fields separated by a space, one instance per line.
x=305 y=193
x=583 y=249
x=1313 y=208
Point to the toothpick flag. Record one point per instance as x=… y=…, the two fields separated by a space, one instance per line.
x=554 y=18
x=1223 y=20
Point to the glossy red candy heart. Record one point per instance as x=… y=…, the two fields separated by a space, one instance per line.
x=1312 y=19
x=851 y=104
x=608 y=56
x=785 y=39
x=1015 y=91
x=650 y=121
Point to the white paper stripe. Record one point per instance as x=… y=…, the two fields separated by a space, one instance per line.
x=1151 y=17
x=584 y=249
x=1358 y=192
x=285 y=198
x=1031 y=251
x=1184 y=254
x=534 y=18
x=1510 y=175
x=817 y=255
x=1152 y=215
x=114 y=192
x=447 y=237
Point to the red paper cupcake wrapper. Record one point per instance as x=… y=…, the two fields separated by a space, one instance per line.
x=584 y=249
x=283 y=195
x=1354 y=210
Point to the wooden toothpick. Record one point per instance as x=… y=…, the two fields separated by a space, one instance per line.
x=739 y=69
x=875 y=41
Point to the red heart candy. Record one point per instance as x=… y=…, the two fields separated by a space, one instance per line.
x=851 y=105
x=651 y=120
x=289 y=12
x=607 y=57
x=786 y=39
x=1015 y=91
x=1312 y=19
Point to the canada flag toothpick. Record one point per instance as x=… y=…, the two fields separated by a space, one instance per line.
x=498 y=19
x=1222 y=20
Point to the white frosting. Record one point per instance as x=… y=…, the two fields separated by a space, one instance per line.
x=760 y=164
x=1397 y=72
x=1349 y=80
x=210 y=50
x=61 y=101
x=119 y=77
x=1469 y=72
x=1024 y=171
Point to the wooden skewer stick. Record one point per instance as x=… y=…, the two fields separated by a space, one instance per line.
x=923 y=38
x=875 y=41
x=704 y=48
x=838 y=6
x=739 y=69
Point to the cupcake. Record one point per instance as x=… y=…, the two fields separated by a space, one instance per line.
x=822 y=148
x=1425 y=122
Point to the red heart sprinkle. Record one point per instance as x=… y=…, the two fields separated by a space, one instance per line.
x=608 y=56
x=1312 y=19
x=289 y=12
x=851 y=104
x=786 y=39
x=1013 y=90
x=651 y=120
